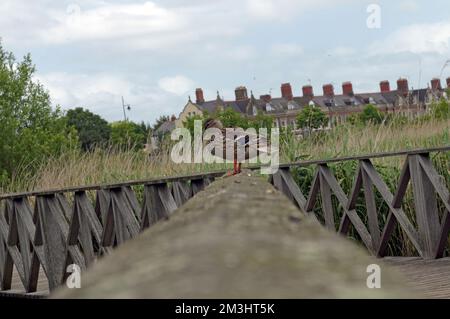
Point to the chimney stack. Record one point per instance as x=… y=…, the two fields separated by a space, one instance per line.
x=286 y=91
x=436 y=84
x=402 y=87
x=308 y=91
x=241 y=93
x=199 y=96
x=266 y=98
x=448 y=83
x=347 y=88
x=328 y=90
x=385 y=87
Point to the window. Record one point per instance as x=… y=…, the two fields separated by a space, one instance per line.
x=329 y=103
x=269 y=107
x=290 y=106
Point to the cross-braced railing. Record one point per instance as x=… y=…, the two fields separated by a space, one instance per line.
x=429 y=238
x=55 y=229
x=50 y=230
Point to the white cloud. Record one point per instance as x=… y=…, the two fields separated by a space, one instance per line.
x=286 y=49
x=178 y=84
x=110 y=22
x=281 y=10
x=71 y=90
x=102 y=94
x=417 y=38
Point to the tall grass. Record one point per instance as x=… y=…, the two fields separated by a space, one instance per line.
x=75 y=168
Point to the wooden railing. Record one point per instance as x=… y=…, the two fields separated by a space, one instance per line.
x=430 y=238
x=56 y=228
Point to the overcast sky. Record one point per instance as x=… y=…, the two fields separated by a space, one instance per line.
x=155 y=53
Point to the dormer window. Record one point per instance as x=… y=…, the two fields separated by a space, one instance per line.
x=290 y=106
x=269 y=107
x=255 y=110
x=329 y=103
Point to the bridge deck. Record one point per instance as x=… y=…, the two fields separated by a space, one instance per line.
x=430 y=278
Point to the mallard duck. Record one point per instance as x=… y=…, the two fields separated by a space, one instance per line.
x=253 y=144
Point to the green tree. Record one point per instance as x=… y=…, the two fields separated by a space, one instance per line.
x=261 y=120
x=231 y=118
x=371 y=114
x=92 y=129
x=160 y=121
x=126 y=134
x=190 y=121
x=311 y=118
x=30 y=129
x=441 y=110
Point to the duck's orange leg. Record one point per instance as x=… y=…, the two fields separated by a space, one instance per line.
x=236 y=170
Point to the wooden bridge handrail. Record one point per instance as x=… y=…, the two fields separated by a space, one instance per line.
x=367 y=156
x=152 y=181
x=213 y=248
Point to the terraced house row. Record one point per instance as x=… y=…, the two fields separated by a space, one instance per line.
x=338 y=107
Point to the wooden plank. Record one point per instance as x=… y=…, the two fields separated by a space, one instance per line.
x=102 y=203
x=291 y=186
x=327 y=205
x=425 y=207
x=371 y=209
x=54 y=241
x=7 y=262
x=313 y=192
x=128 y=214
x=167 y=199
x=436 y=180
x=24 y=242
x=351 y=204
x=154 y=209
x=181 y=192
x=132 y=202
x=80 y=231
x=444 y=194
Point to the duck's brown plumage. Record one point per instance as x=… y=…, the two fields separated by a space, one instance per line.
x=243 y=139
